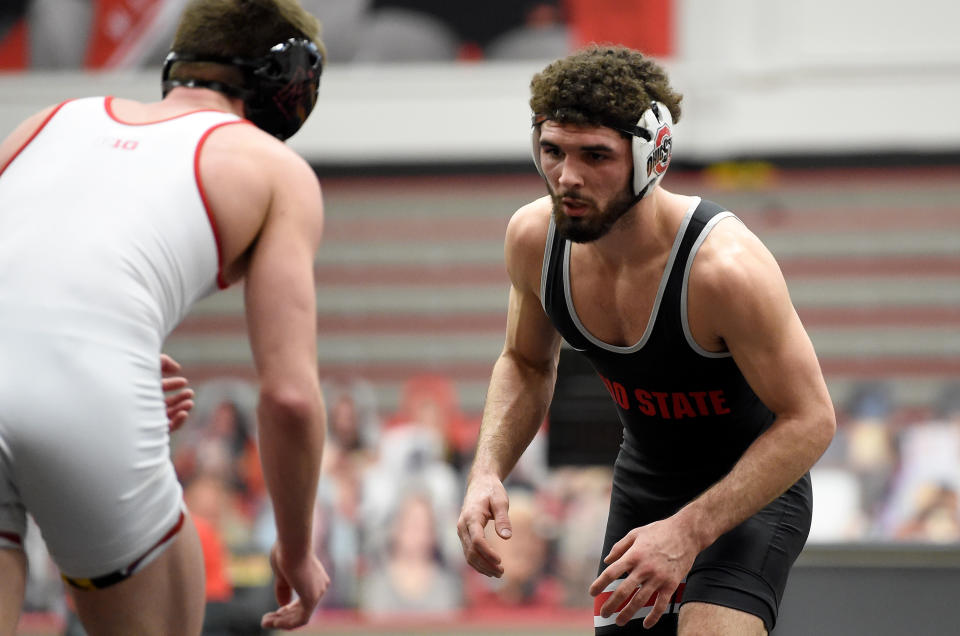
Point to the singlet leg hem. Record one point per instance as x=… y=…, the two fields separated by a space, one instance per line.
x=735 y=587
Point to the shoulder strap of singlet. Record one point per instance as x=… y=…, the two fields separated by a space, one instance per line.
x=552 y=260
x=552 y=295
x=673 y=312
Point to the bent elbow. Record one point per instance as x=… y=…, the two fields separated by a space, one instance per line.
x=290 y=403
x=825 y=428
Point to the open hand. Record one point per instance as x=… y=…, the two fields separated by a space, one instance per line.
x=178 y=395
x=485 y=499
x=307 y=578
x=655 y=558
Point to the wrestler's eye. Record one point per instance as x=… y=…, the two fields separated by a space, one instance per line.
x=550 y=150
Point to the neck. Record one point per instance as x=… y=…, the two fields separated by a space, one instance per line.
x=203 y=98
x=637 y=234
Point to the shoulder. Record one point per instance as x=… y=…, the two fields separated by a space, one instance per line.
x=528 y=226
x=526 y=239
x=733 y=259
x=242 y=153
x=738 y=278
x=243 y=140
x=20 y=135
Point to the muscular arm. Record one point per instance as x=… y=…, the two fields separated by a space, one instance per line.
x=521 y=387
x=281 y=318
x=774 y=353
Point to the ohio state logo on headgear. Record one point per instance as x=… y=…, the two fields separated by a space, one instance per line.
x=659 y=159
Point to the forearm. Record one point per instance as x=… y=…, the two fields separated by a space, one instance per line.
x=773 y=463
x=516 y=405
x=291 y=449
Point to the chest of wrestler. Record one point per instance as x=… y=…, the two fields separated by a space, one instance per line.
x=687 y=417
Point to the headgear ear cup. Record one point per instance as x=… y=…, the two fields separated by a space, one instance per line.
x=652 y=156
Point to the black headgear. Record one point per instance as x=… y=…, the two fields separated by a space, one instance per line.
x=279 y=89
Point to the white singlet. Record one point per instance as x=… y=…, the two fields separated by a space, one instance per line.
x=105 y=243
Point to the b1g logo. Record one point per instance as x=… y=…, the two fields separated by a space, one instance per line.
x=659 y=159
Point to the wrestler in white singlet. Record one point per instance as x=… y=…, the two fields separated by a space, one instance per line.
x=105 y=244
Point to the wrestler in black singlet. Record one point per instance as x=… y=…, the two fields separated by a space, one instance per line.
x=688 y=415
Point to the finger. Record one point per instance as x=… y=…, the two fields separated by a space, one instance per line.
x=480 y=556
x=659 y=608
x=485 y=565
x=168 y=364
x=473 y=559
x=174 y=383
x=177 y=414
x=180 y=409
x=619 y=548
x=484 y=558
x=634 y=602
x=177 y=420
x=176 y=401
x=610 y=574
x=282 y=591
x=624 y=597
x=501 y=518
x=290 y=616
x=179 y=396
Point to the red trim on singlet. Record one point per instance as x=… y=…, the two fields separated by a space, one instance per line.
x=9 y=536
x=106 y=580
x=602 y=597
x=221 y=281
x=108 y=107
x=169 y=535
x=35 y=133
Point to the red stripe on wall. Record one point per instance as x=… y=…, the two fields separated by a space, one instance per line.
x=646 y=25
x=15 y=48
x=116 y=25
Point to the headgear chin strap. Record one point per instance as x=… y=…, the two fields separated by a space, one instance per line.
x=652 y=147
x=279 y=89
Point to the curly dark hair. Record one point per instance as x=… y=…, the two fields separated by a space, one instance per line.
x=602 y=85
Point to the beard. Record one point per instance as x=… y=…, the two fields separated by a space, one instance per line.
x=596 y=223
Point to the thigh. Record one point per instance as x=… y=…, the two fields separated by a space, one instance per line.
x=746 y=569
x=13 y=564
x=165 y=597
x=704 y=619
x=13 y=517
x=626 y=513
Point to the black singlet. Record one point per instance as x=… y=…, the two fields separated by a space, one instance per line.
x=688 y=414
